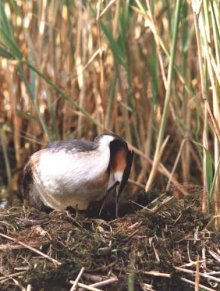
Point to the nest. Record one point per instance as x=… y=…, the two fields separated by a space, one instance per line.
x=167 y=245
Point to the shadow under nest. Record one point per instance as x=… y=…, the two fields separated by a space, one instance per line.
x=155 y=248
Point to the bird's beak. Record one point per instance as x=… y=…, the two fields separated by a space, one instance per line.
x=117 y=199
x=120 y=187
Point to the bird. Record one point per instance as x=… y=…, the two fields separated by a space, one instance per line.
x=75 y=173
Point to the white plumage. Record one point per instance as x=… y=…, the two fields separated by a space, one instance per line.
x=75 y=173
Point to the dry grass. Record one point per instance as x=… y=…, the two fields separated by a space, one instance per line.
x=148 y=71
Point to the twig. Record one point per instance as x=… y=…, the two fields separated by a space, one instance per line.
x=77 y=279
x=197 y=275
x=157 y=198
x=159 y=205
x=147 y=287
x=176 y=163
x=19 y=284
x=205 y=275
x=105 y=282
x=214 y=255
x=211 y=220
x=135 y=225
x=191 y=263
x=132 y=234
x=214 y=273
x=31 y=248
x=18 y=246
x=156 y=253
x=157 y=274
x=188 y=252
x=200 y=285
x=87 y=287
x=3 y=278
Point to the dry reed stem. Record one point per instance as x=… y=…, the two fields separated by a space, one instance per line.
x=203 y=287
x=157 y=274
x=193 y=273
x=5 y=155
x=162 y=170
x=57 y=263
x=105 y=282
x=197 y=275
x=176 y=163
x=158 y=44
x=87 y=287
x=155 y=164
x=77 y=279
x=6 y=277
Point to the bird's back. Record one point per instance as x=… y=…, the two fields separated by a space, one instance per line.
x=74 y=145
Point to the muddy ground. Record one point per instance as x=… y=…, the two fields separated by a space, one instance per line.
x=169 y=245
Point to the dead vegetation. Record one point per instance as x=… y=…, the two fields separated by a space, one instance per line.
x=168 y=248
x=148 y=71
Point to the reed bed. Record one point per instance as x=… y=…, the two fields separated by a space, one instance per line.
x=147 y=70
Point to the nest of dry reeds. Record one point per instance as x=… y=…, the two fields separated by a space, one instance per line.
x=169 y=246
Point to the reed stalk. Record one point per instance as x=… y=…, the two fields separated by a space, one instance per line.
x=146 y=70
x=167 y=99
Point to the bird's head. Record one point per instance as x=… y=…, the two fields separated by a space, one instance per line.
x=120 y=162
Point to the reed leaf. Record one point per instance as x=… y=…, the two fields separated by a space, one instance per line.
x=6 y=54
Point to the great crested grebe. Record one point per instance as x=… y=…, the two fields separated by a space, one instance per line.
x=75 y=173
